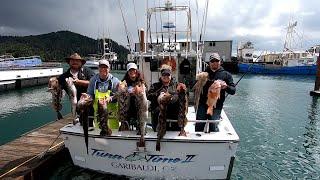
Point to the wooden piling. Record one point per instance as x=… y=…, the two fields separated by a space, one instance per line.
x=316 y=91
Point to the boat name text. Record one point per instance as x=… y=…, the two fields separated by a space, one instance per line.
x=141 y=156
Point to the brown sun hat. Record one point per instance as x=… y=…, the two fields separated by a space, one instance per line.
x=75 y=56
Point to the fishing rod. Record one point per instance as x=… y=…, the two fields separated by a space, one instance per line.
x=125 y=27
x=248 y=70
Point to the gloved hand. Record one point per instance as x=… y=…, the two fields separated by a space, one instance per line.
x=174 y=98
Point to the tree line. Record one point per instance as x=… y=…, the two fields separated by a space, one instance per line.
x=55 y=46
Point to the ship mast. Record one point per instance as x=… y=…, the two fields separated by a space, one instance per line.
x=288 y=43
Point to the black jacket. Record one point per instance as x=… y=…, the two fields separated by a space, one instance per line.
x=133 y=109
x=222 y=75
x=157 y=88
x=85 y=73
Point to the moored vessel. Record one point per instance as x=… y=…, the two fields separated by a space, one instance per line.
x=198 y=155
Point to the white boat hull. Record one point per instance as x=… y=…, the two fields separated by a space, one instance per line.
x=15 y=74
x=197 y=156
x=92 y=64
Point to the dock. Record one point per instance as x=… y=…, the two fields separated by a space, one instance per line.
x=27 y=156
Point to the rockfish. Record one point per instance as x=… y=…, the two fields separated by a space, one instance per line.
x=123 y=97
x=142 y=106
x=163 y=100
x=202 y=79
x=83 y=105
x=56 y=91
x=102 y=118
x=183 y=108
x=213 y=96
x=72 y=92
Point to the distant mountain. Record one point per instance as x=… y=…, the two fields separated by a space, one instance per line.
x=55 y=46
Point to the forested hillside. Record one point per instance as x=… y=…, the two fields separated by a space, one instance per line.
x=55 y=46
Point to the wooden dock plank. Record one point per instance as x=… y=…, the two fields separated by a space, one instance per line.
x=26 y=149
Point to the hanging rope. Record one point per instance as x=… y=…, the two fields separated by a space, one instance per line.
x=156 y=21
x=199 y=62
x=175 y=22
x=125 y=26
x=169 y=33
x=161 y=24
x=204 y=21
x=135 y=14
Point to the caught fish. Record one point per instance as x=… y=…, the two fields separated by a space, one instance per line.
x=72 y=92
x=213 y=96
x=83 y=105
x=136 y=156
x=142 y=106
x=103 y=118
x=163 y=100
x=202 y=79
x=183 y=108
x=123 y=97
x=56 y=91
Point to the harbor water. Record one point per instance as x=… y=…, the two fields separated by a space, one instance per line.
x=276 y=119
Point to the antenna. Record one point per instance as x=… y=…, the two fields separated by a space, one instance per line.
x=288 y=43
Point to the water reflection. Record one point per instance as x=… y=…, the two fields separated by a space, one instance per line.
x=21 y=100
x=312 y=131
x=312 y=137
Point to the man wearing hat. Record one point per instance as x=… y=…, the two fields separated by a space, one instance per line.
x=215 y=72
x=78 y=72
x=165 y=84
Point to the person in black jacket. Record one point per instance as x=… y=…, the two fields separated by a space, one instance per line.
x=166 y=84
x=215 y=72
x=81 y=76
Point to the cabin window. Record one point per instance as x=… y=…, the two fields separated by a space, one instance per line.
x=183 y=44
x=212 y=44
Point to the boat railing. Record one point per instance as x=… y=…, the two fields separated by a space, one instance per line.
x=198 y=121
x=20 y=67
x=51 y=64
x=206 y=127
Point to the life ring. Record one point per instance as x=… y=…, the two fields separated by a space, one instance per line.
x=169 y=61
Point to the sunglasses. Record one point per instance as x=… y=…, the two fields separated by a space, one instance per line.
x=165 y=74
x=103 y=67
x=214 y=60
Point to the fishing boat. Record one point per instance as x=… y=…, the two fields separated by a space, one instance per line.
x=16 y=73
x=199 y=155
x=92 y=61
x=289 y=61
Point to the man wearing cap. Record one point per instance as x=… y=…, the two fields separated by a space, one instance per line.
x=215 y=72
x=133 y=77
x=103 y=86
x=165 y=84
x=78 y=72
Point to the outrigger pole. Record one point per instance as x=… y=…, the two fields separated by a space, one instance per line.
x=125 y=26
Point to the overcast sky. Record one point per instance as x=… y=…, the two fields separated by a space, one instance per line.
x=259 y=21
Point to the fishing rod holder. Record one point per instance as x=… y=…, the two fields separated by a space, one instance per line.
x=206 y=127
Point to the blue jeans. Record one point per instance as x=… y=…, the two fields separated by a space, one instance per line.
x=202 y=115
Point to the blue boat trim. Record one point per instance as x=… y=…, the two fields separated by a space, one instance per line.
x=276 y=69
